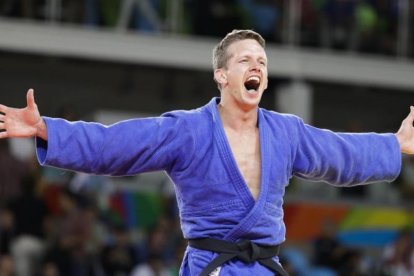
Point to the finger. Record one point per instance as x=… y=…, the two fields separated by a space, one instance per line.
x=2 y=118
x=3 y=108
x=410 y=117
x=3 y=134
x=30 y=98
x=2 y=125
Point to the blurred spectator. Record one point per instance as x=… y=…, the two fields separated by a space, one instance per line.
x=119 y=257
x=330 y=254
x=148 y=15
x=174 y=265
x=109 y=11
x=311 y=22
x=11 y=172
x=6 y=266
x=217 y=18
x=407 y=177
x=387 y=25
x=264 y=17
x=73 y=230
x=23 y=8
x=153 y=267
x=327 y=250
x=159 y=252
x=398 y=257
x=338 y=18
x=156 y=244
x=73 y=11
x=352 y=265
x=29 y=219
x=6 y=235
x=366 y=21
x=49 y=269
x=6 y=231
x=411 y=23
x=297 y=264
x=144 y=15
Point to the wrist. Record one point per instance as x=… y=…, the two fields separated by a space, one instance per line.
x=41 y=129
x=404 y=144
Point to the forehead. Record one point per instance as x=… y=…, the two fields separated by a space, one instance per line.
x=245 y=47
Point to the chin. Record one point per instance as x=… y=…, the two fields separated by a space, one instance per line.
x=252 y=98
x=251 y=102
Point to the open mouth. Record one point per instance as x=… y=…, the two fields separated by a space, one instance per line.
x=252 y=84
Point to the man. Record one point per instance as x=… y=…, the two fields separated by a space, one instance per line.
x=230 y=160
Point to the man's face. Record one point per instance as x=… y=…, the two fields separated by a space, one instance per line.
x=244 y=78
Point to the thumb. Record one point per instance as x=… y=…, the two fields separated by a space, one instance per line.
x=410 y=117
x=30 y=98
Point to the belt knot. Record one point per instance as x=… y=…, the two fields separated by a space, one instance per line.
x=249 y=251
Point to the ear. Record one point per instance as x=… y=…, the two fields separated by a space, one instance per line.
x=220 y=76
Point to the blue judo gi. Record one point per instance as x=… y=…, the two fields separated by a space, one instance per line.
x=213 y=198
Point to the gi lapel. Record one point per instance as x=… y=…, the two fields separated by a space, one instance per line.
x=255 y=206
x=229 y=161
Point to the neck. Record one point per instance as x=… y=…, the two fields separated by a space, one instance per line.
x=237 y=118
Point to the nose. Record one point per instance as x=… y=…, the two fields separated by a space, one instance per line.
x=255 y=66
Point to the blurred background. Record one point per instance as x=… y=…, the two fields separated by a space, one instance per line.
x=346 y=65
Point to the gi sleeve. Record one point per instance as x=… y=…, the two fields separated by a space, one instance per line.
x=125 y=148
x=345 y=158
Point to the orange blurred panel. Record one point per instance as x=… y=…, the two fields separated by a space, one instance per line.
x=303 y=221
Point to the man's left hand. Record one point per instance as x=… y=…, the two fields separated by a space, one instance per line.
x=405 y=134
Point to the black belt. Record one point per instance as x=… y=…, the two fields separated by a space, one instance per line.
x=245 y=251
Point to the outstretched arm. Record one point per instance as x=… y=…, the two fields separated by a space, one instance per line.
x=22 y=122
x=345 y=159
x=405 y=134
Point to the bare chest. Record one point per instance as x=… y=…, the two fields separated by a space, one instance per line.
x=246 y=151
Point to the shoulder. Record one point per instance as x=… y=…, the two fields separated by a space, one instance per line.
x=281 y=119
x=184 y=114
x=193 y=118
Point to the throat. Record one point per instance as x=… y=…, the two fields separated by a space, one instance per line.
x=238 y=119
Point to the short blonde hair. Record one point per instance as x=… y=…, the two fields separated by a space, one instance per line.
x=220 y=56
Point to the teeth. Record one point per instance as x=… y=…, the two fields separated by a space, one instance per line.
x=254 y=78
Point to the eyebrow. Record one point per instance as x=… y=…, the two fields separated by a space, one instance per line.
x=250 y=56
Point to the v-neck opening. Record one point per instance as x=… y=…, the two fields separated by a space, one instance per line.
x=240 y=183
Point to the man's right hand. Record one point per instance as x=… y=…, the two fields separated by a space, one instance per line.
x=22 y=122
